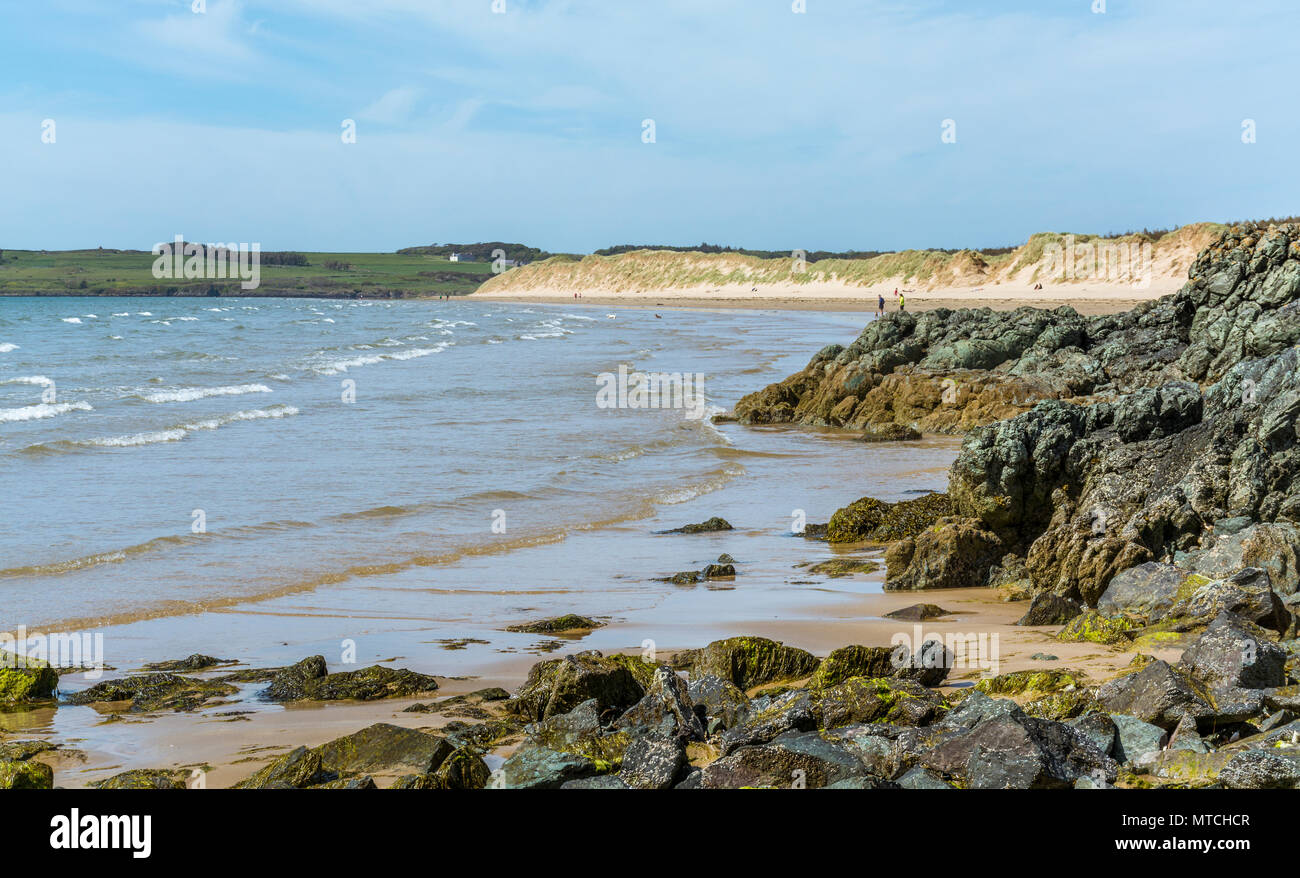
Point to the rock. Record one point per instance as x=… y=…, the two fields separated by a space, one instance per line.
x=1044 y=657
x=838 y=567
x=1229 y=655
x=559 y=685
x=874 y=744
x=1021 y=752
x=753 y=661
x=464 y=769
x=1025 y=682
x=718 y=571
x=538 y=768
x=384 y=747
x=152 y=692
x=794 y=759
x=581 y=732
x=920 y=778
x=1262 y=770
x=1186 y=767
x=1100 y=729
x=879 y=699
x=195 y=662
x=724 y=558
x=297 y=769
x=290 y=684
x=1147 y=591
x=143 y=779
x=666 y=709
x=1136 y=739
x=24 y=679
x=570 y=622
x=308 y=680
x=1163 y=433
x=891 y=433
x=1185 y=737
x=1157 y=694
x=872 y=520
x=928 y=666
x=19 y=750
x=713 y=525
x=954 y=553
x=1047 y=608
x=26 y=775
x=853 y=661
x=652 y=764
x=1247 y=593
x=347 y=783
x=599 y=782
x=721 y=700
x=768 y=718
x=1093 y=627
x=918 y=613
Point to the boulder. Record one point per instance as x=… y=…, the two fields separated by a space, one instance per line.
x=1230 y=655
x=1047 y=608
x=712 y=525
x=954 y=553
x=570 y=622
x=384 y=747
x=1262 y=770
x=308 y=680
x=1021 y=752
x=918 y=613
x=721 y=701
x=876 y=699
x=143 y=779
x=1157 y=694
x=26 y=775
x=753 y=661
x=153 y=692
x=24 y=679
x=801 y=760
x=652 y=764
x=539 y=768
x=559 y=685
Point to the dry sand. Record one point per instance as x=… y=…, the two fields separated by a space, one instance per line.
x=1087 y=298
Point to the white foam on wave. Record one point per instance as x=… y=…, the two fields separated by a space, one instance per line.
x=43 y=410
x=190 y=394
x=36 y=380
x=176 y=434
x=71 y=319
x=334 y=367
x=7 y=347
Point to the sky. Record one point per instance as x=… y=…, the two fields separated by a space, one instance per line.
x=525 y=120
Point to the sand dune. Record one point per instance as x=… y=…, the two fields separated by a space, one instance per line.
x=1069 y=268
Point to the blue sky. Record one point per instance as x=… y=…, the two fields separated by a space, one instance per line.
x=819 y=130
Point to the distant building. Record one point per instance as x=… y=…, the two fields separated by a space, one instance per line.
x=463 y=257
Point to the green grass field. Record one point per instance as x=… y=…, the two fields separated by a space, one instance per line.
x=129 y=273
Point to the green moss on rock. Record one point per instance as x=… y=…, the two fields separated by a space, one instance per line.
x=1093 y=627
x=872 y=520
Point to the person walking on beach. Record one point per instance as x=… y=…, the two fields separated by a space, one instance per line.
x=902 y=303
x=880 y=306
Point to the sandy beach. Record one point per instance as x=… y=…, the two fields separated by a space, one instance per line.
x=1090 y=299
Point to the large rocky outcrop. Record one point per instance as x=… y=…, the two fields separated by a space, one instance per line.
x=1164 y=434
